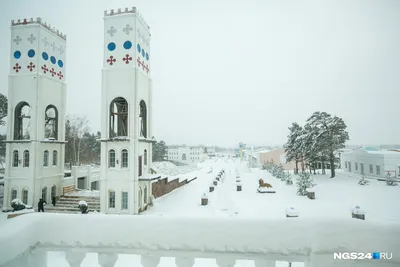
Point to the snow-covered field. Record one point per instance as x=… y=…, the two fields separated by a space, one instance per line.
x=168 y=168
x=233 y=221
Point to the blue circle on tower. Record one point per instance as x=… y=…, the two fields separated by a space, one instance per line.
x=53 y=60
x=147 y=57
x=138 y=48
x=60 y=63
x=17 y=54
x=31 y=53
x=111 y=46
x=128 y=45
x=45 y=56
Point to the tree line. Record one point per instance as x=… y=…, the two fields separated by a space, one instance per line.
x=83 y=146
x=316 y=142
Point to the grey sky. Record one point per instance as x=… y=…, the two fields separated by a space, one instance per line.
x=230 y=71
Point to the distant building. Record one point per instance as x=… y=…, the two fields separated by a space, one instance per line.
x=372 y=162
x=211 y=150
x=186 y=154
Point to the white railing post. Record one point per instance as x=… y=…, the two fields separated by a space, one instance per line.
x=225 y=261
x=184 y=261
x=107 y=259
x=264 y=263
x=149 y=260
x=74 y=258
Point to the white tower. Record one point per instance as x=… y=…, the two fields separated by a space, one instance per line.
x=126 y=114
x=36 y=111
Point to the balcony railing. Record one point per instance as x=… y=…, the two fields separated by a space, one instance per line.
x=226 y=240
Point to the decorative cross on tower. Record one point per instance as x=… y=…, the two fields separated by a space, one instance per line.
x=44 y=68
x=59 y=74
x=31 y=38
x=143 y=65
x=111 y=60
x=31 y=66
x=147 y=68
x=53 y=73
x=139 y=62
x=17 y=67
x=127 y=58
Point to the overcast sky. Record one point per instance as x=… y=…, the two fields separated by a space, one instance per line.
x=229 y=71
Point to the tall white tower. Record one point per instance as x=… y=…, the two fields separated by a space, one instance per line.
x=36 y=110
x=126 y=146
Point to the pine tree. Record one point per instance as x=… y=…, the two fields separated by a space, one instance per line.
x=331 y=135
x=292 y=146
x=304 y=181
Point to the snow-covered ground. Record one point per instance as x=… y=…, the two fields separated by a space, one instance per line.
x=85 y=193
x=247 y=221
x=168 y=168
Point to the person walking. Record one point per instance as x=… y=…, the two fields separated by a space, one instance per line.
x=41 y=205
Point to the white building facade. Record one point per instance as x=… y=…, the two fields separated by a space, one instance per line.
x=35 y=142
x=186 y=154
x=126 y=143
x=376 y=163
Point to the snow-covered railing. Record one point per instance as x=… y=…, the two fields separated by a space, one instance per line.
x=225 y=239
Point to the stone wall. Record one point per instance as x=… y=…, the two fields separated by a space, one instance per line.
x=162 y=186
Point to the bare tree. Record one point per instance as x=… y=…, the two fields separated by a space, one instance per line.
x=78 y=126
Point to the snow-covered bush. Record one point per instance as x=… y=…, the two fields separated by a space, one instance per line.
x=304 y=181
x=390 y=180
x=83 y=206
x=288 y=178
x=17 y=204
x=363 y=181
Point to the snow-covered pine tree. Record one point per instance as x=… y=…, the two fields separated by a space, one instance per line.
x=304 y=181
x=292 y=145
x=390 y=180
x=332 y=135
x=363 y=181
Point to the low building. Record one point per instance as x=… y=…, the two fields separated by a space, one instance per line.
x=211 y=150
x=278 y=156
x=372 y=162
x=186 y=154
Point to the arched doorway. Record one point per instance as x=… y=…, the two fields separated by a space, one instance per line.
x=44 y=194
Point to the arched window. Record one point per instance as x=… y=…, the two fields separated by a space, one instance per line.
x=51 y=122
x=15 y=158
x=183 y=156
x=26 y=158
x=111 y=158
x=143 y=119
x=145 y=194
x=55 y=158
x=22 y=120
x=124 y=158
x=46 y=158
x=44 y=194
x=53 y=192
x=111 y=199
x=118 y=117
x=145 y=157
x=25 y=196
x=14 y=193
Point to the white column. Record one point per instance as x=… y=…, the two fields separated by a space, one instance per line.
x=107 y=259
x=184 y=261
x=264 y=263
x=149 y=260
x=225 y=261
x=38 y=258
x=74 y=258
